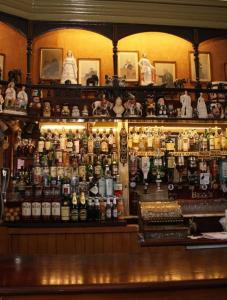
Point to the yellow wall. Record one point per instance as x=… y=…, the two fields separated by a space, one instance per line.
x=84 y=44
x=160 y=47
x=218 y=52
x=13 y=45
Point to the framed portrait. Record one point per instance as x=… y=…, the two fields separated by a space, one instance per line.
x=51 y=60
x=165 y=73
x=204 y=66
x=225 y=71
x=89 y=71
x=2 y=65
x=128 y=65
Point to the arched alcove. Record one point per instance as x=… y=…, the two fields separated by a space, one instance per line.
x=83 y=43
x=218 y=53
x=13 y=45
x=161 y=47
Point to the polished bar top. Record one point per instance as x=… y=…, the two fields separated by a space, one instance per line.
x=113 y=272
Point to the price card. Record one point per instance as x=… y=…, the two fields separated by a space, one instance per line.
x=204 y=178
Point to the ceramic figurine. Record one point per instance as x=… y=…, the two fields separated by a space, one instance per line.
x=22 y=99
x=132 y=108
x=216 y=111
x=57 y=110
x=201 y=107
x=75 y=111
x=147 y=71
x=35 y=105
x=102 y=107
x=118 y=107
x=85 y=111
x=65 y=111
x=186 y=109
x=150 y=106
x=46 y=109
x=1 y=100
x=161 y=108
x=10 y=96
x=69 y=72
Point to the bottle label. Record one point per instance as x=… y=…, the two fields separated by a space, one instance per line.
x=40 y=146
x=77 y=146
x=59 y=156
x=115 y=214
x=47 y=145
x=56 y=209
x=83 y=214
x=26 y=209
x=108 y=213
x=109 y=187
x=74 y=214
x=36 y=209
x=65 y=213
x=82 y=171
x=102 y=187
x=46 y=209
x=66 y=189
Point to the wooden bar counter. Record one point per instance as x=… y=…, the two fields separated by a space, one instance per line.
x=188 y=274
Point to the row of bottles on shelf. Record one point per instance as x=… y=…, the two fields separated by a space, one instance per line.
x=192 y=172
x=66 y=199
x=77 y=141
x=156 y=139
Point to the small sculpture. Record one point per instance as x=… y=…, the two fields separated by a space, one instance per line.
x=201 y=107
x=46 y=109
x=1 y=100
x=65 y=111
x=102 y=107
x=146 y=71
x=118 y=107
x=133 y=108
x=84 y=112
x=57 y=110
x=161 y=107
x=69 y=69
x=216 y=111
x=92 y=80
x=150 y=106
x=10 y=96
x=22 y=99
x=35 y=105
x=75 y=111
x=186 y=109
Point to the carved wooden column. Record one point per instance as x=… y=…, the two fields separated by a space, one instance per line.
x=29 y=53
x=115 y=50
x=196 y=57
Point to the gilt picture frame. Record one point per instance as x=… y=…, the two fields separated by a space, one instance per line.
x=128 y=67
x=2 y=66
x=89 y=71
x=51 y=61
x=165 y=73
x=204 y=66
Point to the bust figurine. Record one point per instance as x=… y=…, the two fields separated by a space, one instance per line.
x=10 y=95
x=132 y=107
x=75 y=111
x=186 y=109
x=161 y=107
x=1 y=100
x=65 y=111
x=35 y=105
x=150 y=106
x=201 y=107
x=85 y=111
x=69 y=72
x=22 y=99
x=46 y=109
x=118 y=107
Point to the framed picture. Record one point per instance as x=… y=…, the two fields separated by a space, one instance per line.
x=2 y=64
x=204 y=66
x=51 y=63
x=225 y=70
x=165 y=73
x=128 y=65
x=89 y=71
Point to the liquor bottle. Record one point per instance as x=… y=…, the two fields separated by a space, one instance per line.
x=84 y=141
x=102 y=207
x=90 y=209
x=210 y=140
x=90 y=143
x=97 y=143
x=36 y=203
x=108 y=209
x=150 y=140
x=97 y=168
x=104 y=146
x=114 y=209
x=37 y=171
x=217 y=141
x=96 y=209
x=74 y=215
x=223 y=141
x=26 y=206
x=120 y=208
x=76 y=142
x=56 y=203
x=109 y=184
x=118 y=188
x=111 y=140
x=46 y=204
x=102 y=186
x=65 y=208
x=114 y=165
x=82 y=169
x=82 y=208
